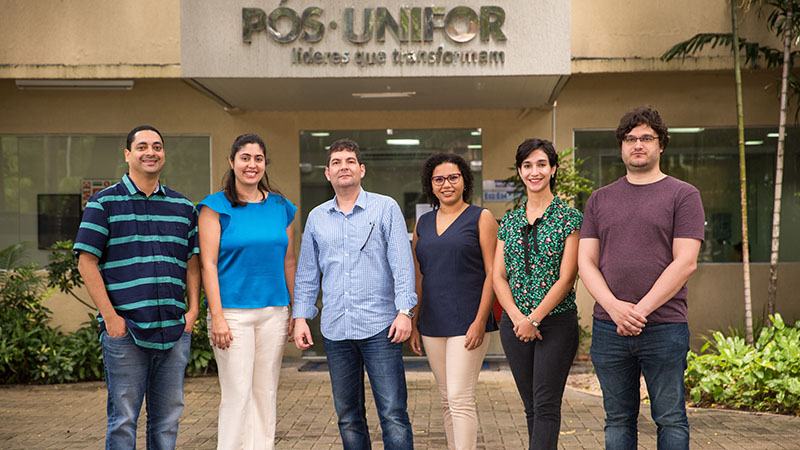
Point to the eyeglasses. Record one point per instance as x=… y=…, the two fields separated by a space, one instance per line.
x=646 y=139
x=452 y=178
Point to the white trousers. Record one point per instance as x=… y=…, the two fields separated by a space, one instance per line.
x=456 y=371
x=248 y=377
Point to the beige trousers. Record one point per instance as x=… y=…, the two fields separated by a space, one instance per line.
x=248 y=377
x=456 y=371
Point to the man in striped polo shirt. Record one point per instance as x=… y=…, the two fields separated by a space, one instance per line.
x=137 y=247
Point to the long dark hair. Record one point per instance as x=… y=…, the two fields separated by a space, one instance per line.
x=229 y=179
x=441 y=158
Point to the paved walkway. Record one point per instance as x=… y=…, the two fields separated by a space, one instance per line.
x=73 y=417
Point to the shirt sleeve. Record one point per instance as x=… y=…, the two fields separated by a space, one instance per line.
x=574 y=222
x=588 y=228
x=690 y=216
x=290 y=211
x=93 y=232
x=399 y=256
x=306 y=280
x=193 y=244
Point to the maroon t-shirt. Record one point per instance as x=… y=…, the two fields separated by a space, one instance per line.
x=636 y=225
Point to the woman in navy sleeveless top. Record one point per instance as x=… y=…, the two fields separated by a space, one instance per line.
x=454 y=247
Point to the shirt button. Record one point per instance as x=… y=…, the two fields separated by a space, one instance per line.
x=345 y=235
x=347 y=274
x=346 y=254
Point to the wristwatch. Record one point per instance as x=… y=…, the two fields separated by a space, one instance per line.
x=533 y=322
x=406 y=312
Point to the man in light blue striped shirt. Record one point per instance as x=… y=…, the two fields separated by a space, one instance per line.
x=358 y=243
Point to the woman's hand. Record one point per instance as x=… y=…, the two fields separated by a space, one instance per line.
x=525 y=331
x=221 y=335
x=475 y=333
x=415 y=341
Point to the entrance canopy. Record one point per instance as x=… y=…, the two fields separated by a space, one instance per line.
x=388 y=55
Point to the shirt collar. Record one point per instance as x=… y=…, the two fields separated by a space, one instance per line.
x=547 y=212
x=132 y=189
x=361 y=202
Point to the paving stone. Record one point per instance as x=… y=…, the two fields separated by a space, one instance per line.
x=73 y=417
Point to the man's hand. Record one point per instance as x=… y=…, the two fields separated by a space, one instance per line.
x=191 y=318
x=630 y=322
x=302 y=334
x=115 y=326
x=400 y=330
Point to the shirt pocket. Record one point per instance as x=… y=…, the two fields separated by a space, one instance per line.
x=366 y=238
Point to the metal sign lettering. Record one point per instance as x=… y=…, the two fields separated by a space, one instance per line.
x=460 y=24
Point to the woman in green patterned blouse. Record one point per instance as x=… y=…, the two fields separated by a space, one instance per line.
x=534 y=277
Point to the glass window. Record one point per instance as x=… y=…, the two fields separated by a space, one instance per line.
x=40 y=177
x=709 y=159
x=393 y=159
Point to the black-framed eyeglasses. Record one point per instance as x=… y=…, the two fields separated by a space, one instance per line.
x=646 y=139
x=452 y=178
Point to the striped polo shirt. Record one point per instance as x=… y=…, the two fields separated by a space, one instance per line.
x=143 y=244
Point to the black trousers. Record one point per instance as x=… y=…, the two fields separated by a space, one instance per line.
x=540 y=369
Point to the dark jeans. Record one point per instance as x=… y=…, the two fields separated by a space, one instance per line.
x=384 y=363
x=540 y=369
x=659 y=353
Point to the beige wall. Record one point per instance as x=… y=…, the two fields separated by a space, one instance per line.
x=90 y=32
x=142 y=38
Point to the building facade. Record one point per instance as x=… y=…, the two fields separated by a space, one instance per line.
x=405 y=80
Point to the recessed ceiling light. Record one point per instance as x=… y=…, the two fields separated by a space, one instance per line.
x=686 y=130
x=80 y=85
x=475 y=146
x=320 y=134
x=404 y=94
x=402 y=141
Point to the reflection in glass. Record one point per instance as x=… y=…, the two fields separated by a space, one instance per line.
x=708 y=158
x=34 y=165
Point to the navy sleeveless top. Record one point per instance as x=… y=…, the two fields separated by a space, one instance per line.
x=452 y=274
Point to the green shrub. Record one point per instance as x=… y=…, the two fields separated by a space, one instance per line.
x=762 y=377
x=32 y=351
x=201 y=361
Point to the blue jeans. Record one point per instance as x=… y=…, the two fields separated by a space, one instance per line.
x=132 y=375
x=659 y=353
x=384 y=363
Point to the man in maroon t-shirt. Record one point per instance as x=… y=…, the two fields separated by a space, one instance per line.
x=639 y=243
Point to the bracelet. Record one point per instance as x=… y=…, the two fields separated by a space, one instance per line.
x=532 y=322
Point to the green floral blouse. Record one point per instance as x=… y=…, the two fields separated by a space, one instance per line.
x=544 y=255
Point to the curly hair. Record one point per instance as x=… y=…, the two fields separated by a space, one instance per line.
x=643 y=115
x=441 y=158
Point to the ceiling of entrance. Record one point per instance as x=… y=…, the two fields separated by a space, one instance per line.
x=319 y=94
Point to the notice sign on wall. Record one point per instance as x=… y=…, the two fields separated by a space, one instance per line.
x=89 y=187
x=497 y=191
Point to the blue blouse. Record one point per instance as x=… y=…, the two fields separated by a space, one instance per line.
x=252 y=251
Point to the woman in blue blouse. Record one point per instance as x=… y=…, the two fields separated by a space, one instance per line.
x=534 y=277
x=453 y=249
x=249 y=263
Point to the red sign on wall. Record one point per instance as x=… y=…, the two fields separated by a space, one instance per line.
x=89 y=187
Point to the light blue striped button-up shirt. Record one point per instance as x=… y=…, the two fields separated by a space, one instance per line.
x=364 y=258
